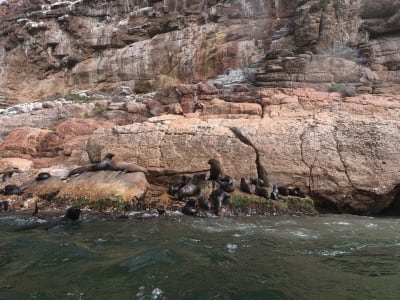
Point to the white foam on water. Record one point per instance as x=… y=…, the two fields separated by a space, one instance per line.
x=231 y=247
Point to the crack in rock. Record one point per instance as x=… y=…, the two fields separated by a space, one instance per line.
x=341 y=157
x=310 y=167
x=261 y=172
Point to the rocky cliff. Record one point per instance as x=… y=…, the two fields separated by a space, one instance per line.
x=50 y=47
x=244 y=81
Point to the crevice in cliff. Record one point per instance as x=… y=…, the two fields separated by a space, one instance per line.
x=341 y=157
x=310 y=167
x=261 y=172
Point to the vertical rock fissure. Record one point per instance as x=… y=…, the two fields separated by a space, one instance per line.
x=310 y=167
x=341 y=157
x=261 y=172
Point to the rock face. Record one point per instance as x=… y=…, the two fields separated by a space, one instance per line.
x=49 y=47
x=342 y=150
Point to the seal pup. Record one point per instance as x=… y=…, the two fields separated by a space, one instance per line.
x=216 y=171
x=12 y=189
x=226 y=183
x=192 y=188
x=43 y=176
x=218 y=198
x=244 y=186
x=8 y=174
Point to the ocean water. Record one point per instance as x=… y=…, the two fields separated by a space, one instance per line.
x=179 y=257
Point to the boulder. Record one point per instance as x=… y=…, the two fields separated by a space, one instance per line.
x=101 y=185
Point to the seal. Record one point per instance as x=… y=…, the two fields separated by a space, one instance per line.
x=107 y=164
x=4 y=206
x=275 y=193
x=190 y=208
x=261 y=191
x=216 y=171
x=192 y=188
x=244 y=186
x=43 y=176
x=72 y=213
x=9 y=173
x=104 y=164
x=182 y=181
x=297 y=192
x=226 y=183
x=255 y=181
x=12 y=189
x=283 y=190
x=218 y=198
x=203 y=202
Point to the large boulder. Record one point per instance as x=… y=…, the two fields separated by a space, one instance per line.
x=102 y=185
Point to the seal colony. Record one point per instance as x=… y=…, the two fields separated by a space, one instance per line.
x=202 y=200
x=199 y=194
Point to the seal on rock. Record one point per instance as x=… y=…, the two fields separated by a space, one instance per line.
x=226 y=183
x=219 y=197
x=216 y=170
x=107 y=164
x=275 y=193
x=12 y=189
x=255 y=181
x=203 y=202
x=261 y=191
x=192 y=188
x=190 y=208
x=244 y=186
x=104 y=164
x=182 y=181
x=4 y=206
x=43 y=176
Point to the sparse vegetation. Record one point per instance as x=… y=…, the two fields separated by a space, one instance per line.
x=100 y=109
x=77 y=98
x=113 y=203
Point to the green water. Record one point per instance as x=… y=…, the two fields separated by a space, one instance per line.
x=322 y=257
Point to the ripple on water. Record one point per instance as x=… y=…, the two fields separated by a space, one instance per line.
x=150 y=258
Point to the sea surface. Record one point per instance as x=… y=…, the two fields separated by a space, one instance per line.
x=179 y=257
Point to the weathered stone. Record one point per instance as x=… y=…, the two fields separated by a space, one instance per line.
x=105 y=184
